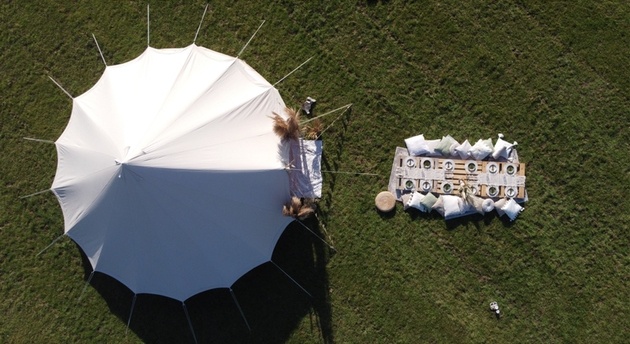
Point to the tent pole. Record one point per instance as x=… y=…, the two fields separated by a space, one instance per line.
x=38 y=140
x=298 y=67
x=86 y=285
x=200 y=22
x=58 y=85
x=148 y=26
x=318 y=237
x=35 y=193
x=291 y=278
x=240 y=309
x=327 y=113
x=250 y=39
x=192 y=330
x=133 y=305
x=49 y=245
x=99 y=50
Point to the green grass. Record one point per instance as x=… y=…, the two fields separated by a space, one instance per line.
x=552 y=76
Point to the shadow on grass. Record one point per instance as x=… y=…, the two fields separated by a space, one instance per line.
x=460 y=222
x=386 y=215
x=333 y=152
x=273 y=305
x=375 y=2
x=477 y=219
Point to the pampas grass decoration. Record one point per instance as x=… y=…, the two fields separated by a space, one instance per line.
x=314 y=129
x=292 y=208
x=298 y=209
x=293 y=123
x=280 y=126
x=288 y=129
x=305 y=212
x=296 y=204
x=286 y=210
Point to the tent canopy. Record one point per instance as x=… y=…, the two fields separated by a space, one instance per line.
x=169 y=175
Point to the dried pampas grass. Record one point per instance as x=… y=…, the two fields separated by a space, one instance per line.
x=314 y=129
x=288 y=129
x=298 y=209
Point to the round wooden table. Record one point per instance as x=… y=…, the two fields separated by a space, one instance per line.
x=385 y=201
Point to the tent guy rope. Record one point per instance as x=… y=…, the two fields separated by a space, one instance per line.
x=61 y=87
x=250 y=39
x=35 y=193
x=133 y=305
x=39 y=140
x=240 y=309
x=333 y=122
x=341 y=172
x=192 y=330
x=50 y=245
x=327 y=113
x=85 y=286
x=291 y=278
x=200 y=22
x=99 y=50
x=286 y=76
x=148 y=24
x=315 y=234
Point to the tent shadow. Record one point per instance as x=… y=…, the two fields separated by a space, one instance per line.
x=273 y=303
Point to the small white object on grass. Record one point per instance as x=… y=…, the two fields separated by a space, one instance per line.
x=494 y=306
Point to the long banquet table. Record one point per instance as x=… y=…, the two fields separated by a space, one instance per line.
x=442 y=175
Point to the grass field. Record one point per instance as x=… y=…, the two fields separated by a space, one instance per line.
x=551 y=75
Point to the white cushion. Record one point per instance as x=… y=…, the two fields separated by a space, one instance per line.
x=481 y=149
x=405 y=199
x=498 y=205
x=512 y=209
x=477 y=204
x=445 y=146
x=416 y=145
x=439 y=205
x=432 y=144
x=463 y=150
x=428 y=201
x=452 y=205
x=487 y=205
x=488 y=142
x=502 y=148
x=414 y=201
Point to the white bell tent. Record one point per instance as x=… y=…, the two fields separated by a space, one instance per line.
x=170 y=177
